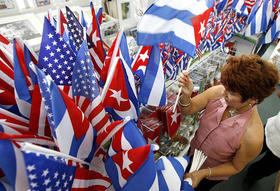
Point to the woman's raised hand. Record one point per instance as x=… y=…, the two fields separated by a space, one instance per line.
x=185 y=83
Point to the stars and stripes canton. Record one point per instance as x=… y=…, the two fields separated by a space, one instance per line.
x=170 y=171
x=66 y=172
x=128 y=137
x=133 y=169
x=86 y=91
x=48 y=172
x=75 y=29
x=56 y=57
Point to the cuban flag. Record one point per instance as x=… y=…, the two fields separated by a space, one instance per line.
x=128 y=137
x=260 y=21
x=13 y=166
x=152 y=90
x=273 y=32
x=133 y=169
x=170 y=171
x=140 y=62
x=108 y=132
x=170 y=21
x=71 y=130
x=173 y=120
x=119 y=92
x=56 y=58
x=86 y=91
x=99 y=14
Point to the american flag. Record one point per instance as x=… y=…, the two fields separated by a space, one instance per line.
x=75 y=29
x=86 y=90
x=9 y=118
x=7 y=97
x=56 y=58
x=46 y=172
x=95 y=45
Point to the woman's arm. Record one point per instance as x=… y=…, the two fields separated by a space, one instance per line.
x=250 y=148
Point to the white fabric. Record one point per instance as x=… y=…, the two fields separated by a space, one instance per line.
x=272 y=134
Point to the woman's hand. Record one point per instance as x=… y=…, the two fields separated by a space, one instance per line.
x=185 y=83
x=196 y=176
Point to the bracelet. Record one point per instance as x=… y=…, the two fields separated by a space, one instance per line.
x=185 y=105
x=209 y=172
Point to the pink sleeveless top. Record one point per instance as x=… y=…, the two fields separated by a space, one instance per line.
x=219 y=140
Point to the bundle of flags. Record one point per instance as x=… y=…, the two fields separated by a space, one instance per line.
x=69 y=116
x=207 y=25
x=76 y=107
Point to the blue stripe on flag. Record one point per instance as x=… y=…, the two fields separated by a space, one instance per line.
x=169 y=13
x=145 y=39
x=8 y=161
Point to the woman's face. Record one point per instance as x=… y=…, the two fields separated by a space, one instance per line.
x=233 y=99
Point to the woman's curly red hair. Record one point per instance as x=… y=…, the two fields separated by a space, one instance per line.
x=250 y=76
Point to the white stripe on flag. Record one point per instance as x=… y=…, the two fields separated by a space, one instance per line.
x=86 y=147
x=158 y=87
x=79 y=183
x=157 y=24
x=96 y=58
x=64 y=134
x=21 y=181
x=42 y=119
x=6 y=78
x=171 y=177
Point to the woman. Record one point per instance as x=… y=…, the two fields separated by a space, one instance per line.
x=230 y=132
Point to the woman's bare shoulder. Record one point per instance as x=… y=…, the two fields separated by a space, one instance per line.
x=254 y=135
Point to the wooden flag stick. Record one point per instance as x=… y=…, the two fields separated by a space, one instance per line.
x=180 y=90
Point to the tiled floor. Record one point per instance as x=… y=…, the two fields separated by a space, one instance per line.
x=269 y=107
